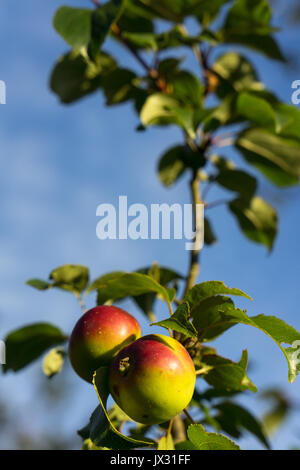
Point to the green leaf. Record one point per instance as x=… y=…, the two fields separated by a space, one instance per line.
x=288 y=120
x=185 y=445
x=130 y=284
x=187 y=88
x=263 y=109
x=54 y=361
x=161 y=109
x=275 y=417
x=175 y=161
x=257 y=219
x=74 y=25
x=222 y=373
x=70 y=277
x=75 y=75
x=256 y=110
x=248 y=22
x=234 y=419
x=222 y=115
x=276 y=329
x=236 y=74
x=102 y=19
x=208 y=315
x=101 y=430
x=209 y=235
x=177 y=10
x=101 y=281
x=237 y=181
x=163 y=276
x=276 y=157
x=38 y=284
x=135 y=19
x=203 y=440
x=118 y=86
x=179 y=321
x=83 y=27
x=166 y=443
x=249 y=16
x=175 y=37
x=207 y=10
x=27 y=344
x=208 y=289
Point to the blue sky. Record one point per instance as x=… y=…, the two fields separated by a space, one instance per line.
x=57 y=163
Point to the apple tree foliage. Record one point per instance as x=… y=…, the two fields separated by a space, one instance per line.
x=223 y=102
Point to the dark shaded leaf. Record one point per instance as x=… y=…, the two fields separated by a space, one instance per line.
x=222 y=373
x=248 y=22
x=179 y=322
x=38 y=284
x=175 y=161
x=234 y=419
x=76 y=76
x=236 y=74
x=70 y=277
x=27 y=344
x=237 y=181
x=208 y=289
x=118 y=86
x=209 y=235
x=102 y=19
x=278 y=413
x=207 y=317
x=257 y=219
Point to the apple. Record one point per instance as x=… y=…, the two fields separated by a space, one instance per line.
x=98 y=336
x=153 y=379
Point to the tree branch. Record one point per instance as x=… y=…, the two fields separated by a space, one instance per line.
x=194 y=257
x=81 y=303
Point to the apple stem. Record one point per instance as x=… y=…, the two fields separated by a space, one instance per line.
x=124 y=365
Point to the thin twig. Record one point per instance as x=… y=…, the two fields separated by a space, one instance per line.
x=81 y=303
x=189 y=416
x=194 y=257
x=202 y=60
x=116 y=30
x=219 y=202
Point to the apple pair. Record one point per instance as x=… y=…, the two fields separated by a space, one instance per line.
x=151 y=378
